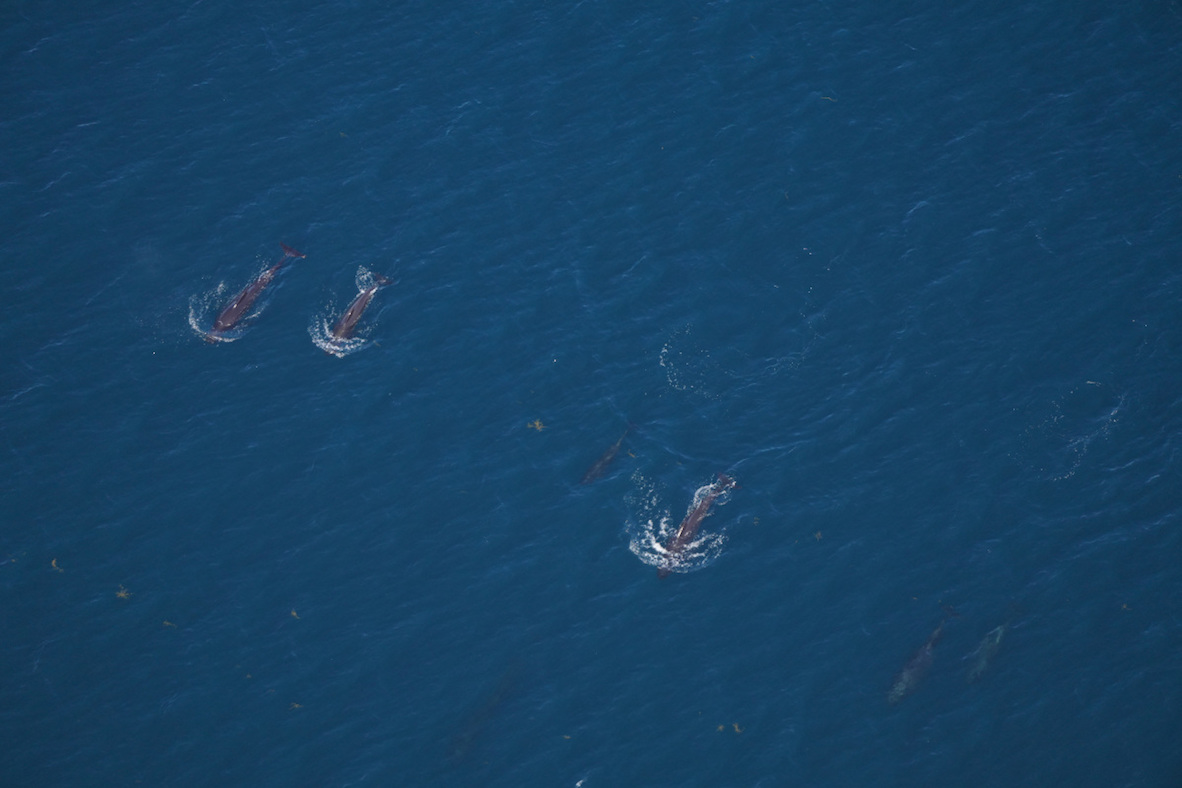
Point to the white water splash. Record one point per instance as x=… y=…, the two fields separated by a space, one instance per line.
x=203 y=310
x=652 y=527
x=320 y=329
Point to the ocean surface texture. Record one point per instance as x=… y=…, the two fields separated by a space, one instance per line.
x=911 y=274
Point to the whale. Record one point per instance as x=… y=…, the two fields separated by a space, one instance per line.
x=600 y=465
x=233 y=313
x=692 y=522
x=347 y=324
x=982 y=656
x=907 y=680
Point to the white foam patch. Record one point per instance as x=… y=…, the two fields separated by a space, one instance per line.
x=1055 y=445
x=364 y=278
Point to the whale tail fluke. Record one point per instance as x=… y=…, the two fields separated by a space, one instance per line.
x=289 y=252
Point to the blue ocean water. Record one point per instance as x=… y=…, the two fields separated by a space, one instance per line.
x=910 y=275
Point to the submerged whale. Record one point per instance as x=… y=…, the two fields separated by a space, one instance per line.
x=600 y=466
x=693 y=520
x=478 y=721
x=347 y=323
x=907 y=679
x=982 y=656
x=237 y=309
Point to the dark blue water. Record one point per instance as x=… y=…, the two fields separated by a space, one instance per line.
x=911 y=275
